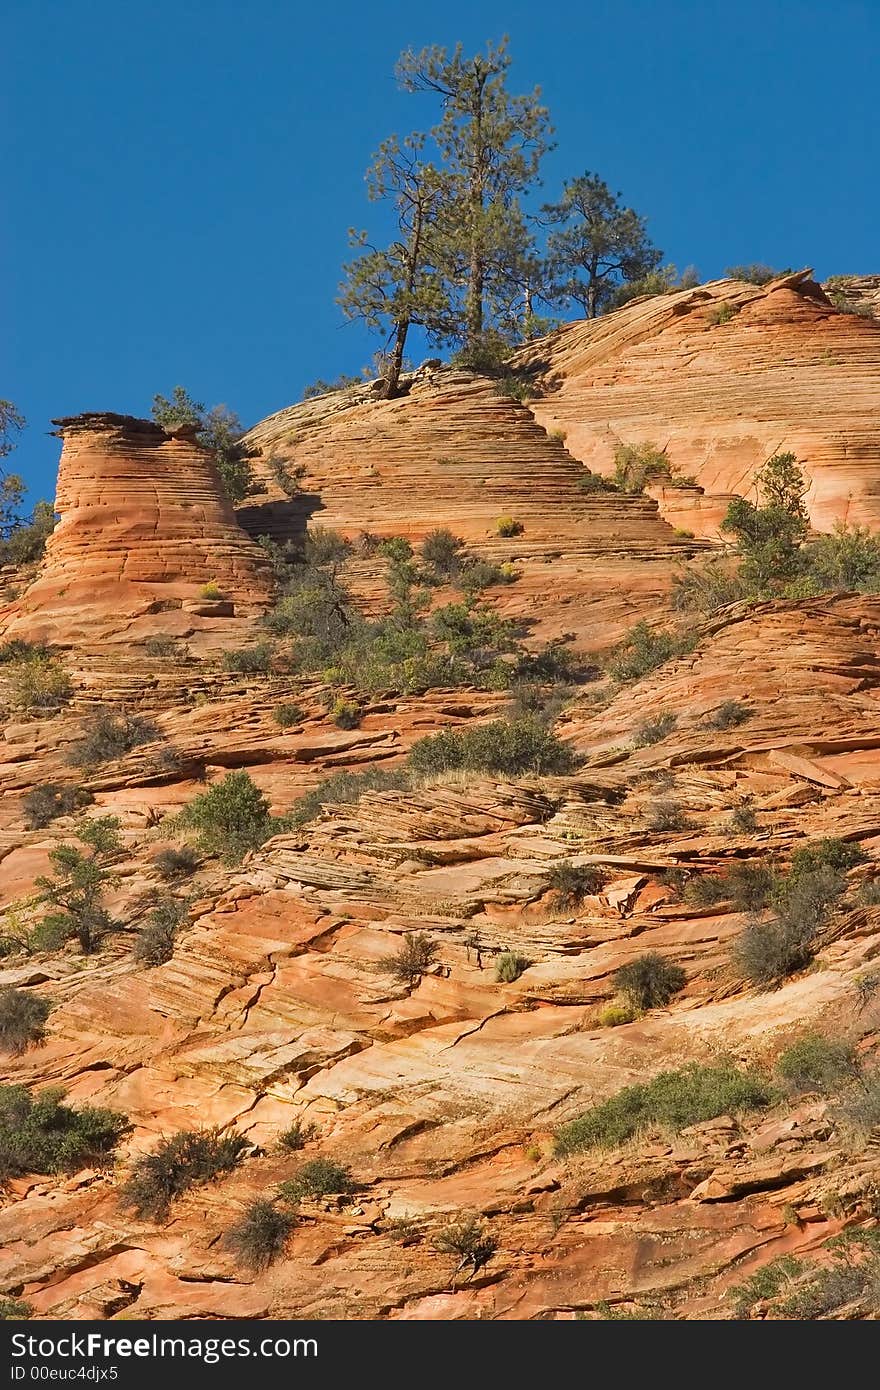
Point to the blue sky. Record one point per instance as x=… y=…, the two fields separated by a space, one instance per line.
x=179 y=177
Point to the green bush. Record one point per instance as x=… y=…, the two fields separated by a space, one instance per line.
x=847 y=560
x=831 y=853
x=723 y=313
x=707 y=586
x=188 y=1157
x=514 y=388
x=17 y=650
x=830 y=1290
x=766 y=953
x=748 y=887
x=176 y=863
x=15 y=1310
x=756 y=273
x=38 y=683
x=325 y=547
x=249 y=661
x=76 y=888
x=649 y=981
x=654 y=730
x=594 y=482
x=821 y=1064
x=230 y=818
x=475 y=575
x=320 y=1177
x=859 y=1115
x=155 y=941
x=288 y=714
x=645 y=649
x=469 y=1240
x=346 y=715
x=507 y=527
x=162 y=644
x=347 y=788
x=637 y=464
x=261 y=1235
x=666 y=814
x=672 y=1100
x=573 y=882
x=416 y=955
x=509 y=966
x=108 y=736
x=442 y=549
x=39 y=1134
x=766 y=1282
x=23 y=1016
x=743 y=820
x=729 y=715
x=296 y=1136
x=511 y=747
x=49 y=800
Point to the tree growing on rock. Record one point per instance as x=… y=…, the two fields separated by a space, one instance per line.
x=597 y=246
x=769 y=537
x=218 y=430
x=76 y=889
x=398 y=286
x=22 y=537
x=491 y=144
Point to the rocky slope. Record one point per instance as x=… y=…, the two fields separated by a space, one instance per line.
x=444 y=1094
x=721 y=377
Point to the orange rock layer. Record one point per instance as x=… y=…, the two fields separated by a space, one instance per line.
x=144 y=527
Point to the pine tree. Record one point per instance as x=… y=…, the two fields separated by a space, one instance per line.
x=491 y=145
x=598 y=245
x=396 y=287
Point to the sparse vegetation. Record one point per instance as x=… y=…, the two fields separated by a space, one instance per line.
x=755 y=273
x=416 y=955
x=346 y=714
x=287 y=715
x=651 y=731
x=178 y=1163
x=163 y=644
x=296 y=1136
x=469 y=1240
x=635 y=465
x=511 y=747
x=320 y=1177
x=77 y=886
x=649 y=981
x=249 y=661
x=666 y=814
x=672 y=1100
x=729 y=715
x=230 y=818
x=48 y=801
x=766 y=1283
x=743 y=820
x=260 y=1236
x=40 y=1134
x=646 y=649
x=23 y=1017
x=155 y=941
x=174 y=863
x=109 y=735
x=37 y=683
x=442 y=550
x=346 y=788
x=15 y=1310
x=507 y=527
x=509 y=966
x=814 y=1063
x=859 y=1114
x=573 y=882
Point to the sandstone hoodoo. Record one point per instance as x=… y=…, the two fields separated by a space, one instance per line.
x=144 y=530
x=720 y=377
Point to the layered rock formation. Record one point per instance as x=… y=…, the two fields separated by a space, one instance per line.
x=721 y=377
x=144 y=527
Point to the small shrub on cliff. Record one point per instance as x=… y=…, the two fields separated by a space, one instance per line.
x=189 y=1157
x=507 y=527
x=672 y=1100
x=847 y=560
x=748 y=887
x=39 y=683
x=296 y=1136
x=211 y=591
x=346 y=715
x=651 y=731
x=108 y=736
x=509 y=966
x=859 y=1115
x=17 y=649
x=831 y=853
x=645 y=649
x=416 y=955
x=155 y=941
x=261 y=1235
x=818 y=1064
x=320 y=1177
x=755 y=273
x=573 y=882
x=441 y=549
x=15 y=1310
x=176 y=863
x=347 y=788
x=287 y=715
x=636 y=464
x=39 y=1134
x=49 y=800
x=649 y=981
x=511 y=747
x=230 y=818
x=665 y=815
x=765 y=953
x=23 y=1016
x=470 y=1242
x=163 y=644
x=75 y=889
x=765 y=1283
x=729 y=715
x=249 y=661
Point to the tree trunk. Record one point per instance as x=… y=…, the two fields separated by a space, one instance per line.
x=395 y=365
